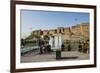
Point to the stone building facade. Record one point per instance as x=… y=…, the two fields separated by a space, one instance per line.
x=63 y=35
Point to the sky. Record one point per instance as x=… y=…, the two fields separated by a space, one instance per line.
x=35 y=20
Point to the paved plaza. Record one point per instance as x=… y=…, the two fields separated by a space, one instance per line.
x=68 y=55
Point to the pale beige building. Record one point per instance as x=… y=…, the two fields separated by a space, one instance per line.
x=79 y=32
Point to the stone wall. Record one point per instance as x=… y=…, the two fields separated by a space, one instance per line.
x=72 y=35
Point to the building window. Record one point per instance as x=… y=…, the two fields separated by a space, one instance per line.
x=48 y=32
x=55 y=31
x=59 y=30
x=63 y=29
x=41 y=32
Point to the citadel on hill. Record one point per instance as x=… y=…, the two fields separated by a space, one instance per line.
x=61 y=35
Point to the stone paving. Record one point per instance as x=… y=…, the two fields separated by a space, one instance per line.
x=52 y=56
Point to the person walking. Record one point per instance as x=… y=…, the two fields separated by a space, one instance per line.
x=62 y=47
x=85 y=47
x=41 y=46
x=80 y=47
